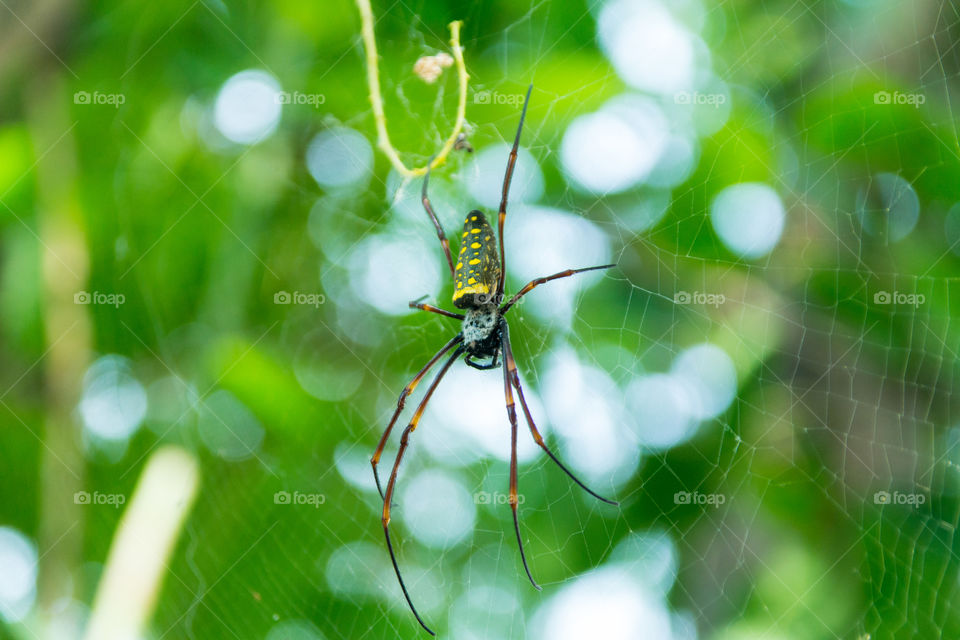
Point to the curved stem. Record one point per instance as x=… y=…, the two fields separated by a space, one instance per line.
x=376 y=99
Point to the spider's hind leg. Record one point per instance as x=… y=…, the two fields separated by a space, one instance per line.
x=514 y=501
x=511 y=367
x=407 y=390
x=392 y=483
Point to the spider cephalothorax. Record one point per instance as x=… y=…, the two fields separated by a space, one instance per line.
x=481 y=334
x=485 y=335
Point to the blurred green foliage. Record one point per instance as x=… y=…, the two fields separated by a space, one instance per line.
x=838 y=397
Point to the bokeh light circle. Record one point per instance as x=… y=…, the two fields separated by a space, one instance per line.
x=389 y=270
x=648 y=47
x=603 y=154
x=18 y=574
x=888 y=207
x=247 y=108
x=483 y=178
x=606 y=603
x=709 y=377
x=228 y=428
x=114 y=403
x=662 y=411
x=749 y=218
x=340 y=157
x=437 y=509
x=951 y=228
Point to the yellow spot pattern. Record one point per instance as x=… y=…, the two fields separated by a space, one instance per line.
x=478 y=264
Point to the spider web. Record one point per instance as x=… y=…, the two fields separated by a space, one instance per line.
x=837 y=397
x=808 y=487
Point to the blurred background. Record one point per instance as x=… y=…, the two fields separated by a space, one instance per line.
x=205 y=264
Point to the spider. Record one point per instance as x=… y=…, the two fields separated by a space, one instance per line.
x=478 y=279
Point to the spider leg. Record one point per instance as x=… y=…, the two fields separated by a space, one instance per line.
x=511 y=366
x=433 y=218
x=416 y=304
x=512 y=415
x=508 y=176
x=536 y=282
x=404 y=441
x=407 y=390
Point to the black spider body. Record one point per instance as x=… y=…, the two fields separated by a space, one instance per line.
x=482 y=335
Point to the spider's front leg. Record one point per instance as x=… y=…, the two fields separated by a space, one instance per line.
x=418 y=304
x=425 y=199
